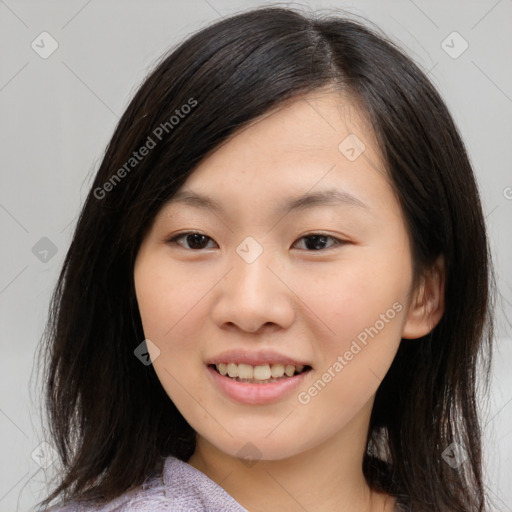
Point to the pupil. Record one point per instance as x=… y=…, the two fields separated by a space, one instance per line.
x=196 y=240
x=316 y=239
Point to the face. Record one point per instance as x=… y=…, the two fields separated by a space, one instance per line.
x=246 y=280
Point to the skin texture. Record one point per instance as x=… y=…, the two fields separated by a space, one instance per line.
x=307 y=303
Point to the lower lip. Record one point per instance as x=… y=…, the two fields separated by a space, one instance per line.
x=256 y=394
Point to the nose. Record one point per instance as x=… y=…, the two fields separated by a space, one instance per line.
x=254 y=296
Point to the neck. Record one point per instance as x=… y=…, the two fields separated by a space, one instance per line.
x=324 y=478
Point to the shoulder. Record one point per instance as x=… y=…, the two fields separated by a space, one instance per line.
x=149 y=496
x=180 y=487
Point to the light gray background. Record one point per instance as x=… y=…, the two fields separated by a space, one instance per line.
x=58 y=113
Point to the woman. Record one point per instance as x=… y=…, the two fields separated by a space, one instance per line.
x=279 y=287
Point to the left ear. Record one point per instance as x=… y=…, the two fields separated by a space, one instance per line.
x=427 y=305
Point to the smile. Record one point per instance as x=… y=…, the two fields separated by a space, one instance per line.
x=260 y=373
x=262 y=388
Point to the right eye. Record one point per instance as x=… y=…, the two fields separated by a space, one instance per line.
x=195 y=240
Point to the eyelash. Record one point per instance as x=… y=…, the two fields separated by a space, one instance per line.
x=174 y=240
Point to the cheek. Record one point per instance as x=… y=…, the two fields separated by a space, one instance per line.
x=365 y=319
x=168 y=301
x=167 y=297
x=362 y=305
x=354 y=295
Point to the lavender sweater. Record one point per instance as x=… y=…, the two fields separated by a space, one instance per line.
x=181 y=488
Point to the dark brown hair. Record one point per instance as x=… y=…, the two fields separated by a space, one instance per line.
x=111 y=420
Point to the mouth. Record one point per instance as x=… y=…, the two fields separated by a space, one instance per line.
x=259 y=374
x=257 y=385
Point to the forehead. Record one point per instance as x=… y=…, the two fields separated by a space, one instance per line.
x=316 y=142
x=316 y=122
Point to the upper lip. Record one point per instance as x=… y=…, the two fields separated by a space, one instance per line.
x=261 y=357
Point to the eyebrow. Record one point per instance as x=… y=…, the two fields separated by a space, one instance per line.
x=329 y=197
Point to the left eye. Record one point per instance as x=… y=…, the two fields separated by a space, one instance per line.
x=196 y=241
x=317 y=241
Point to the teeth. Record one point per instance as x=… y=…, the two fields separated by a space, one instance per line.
x=233 y=370
x=277 y=370
x=262 y=372
x=245 y=371
x=289 y=370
